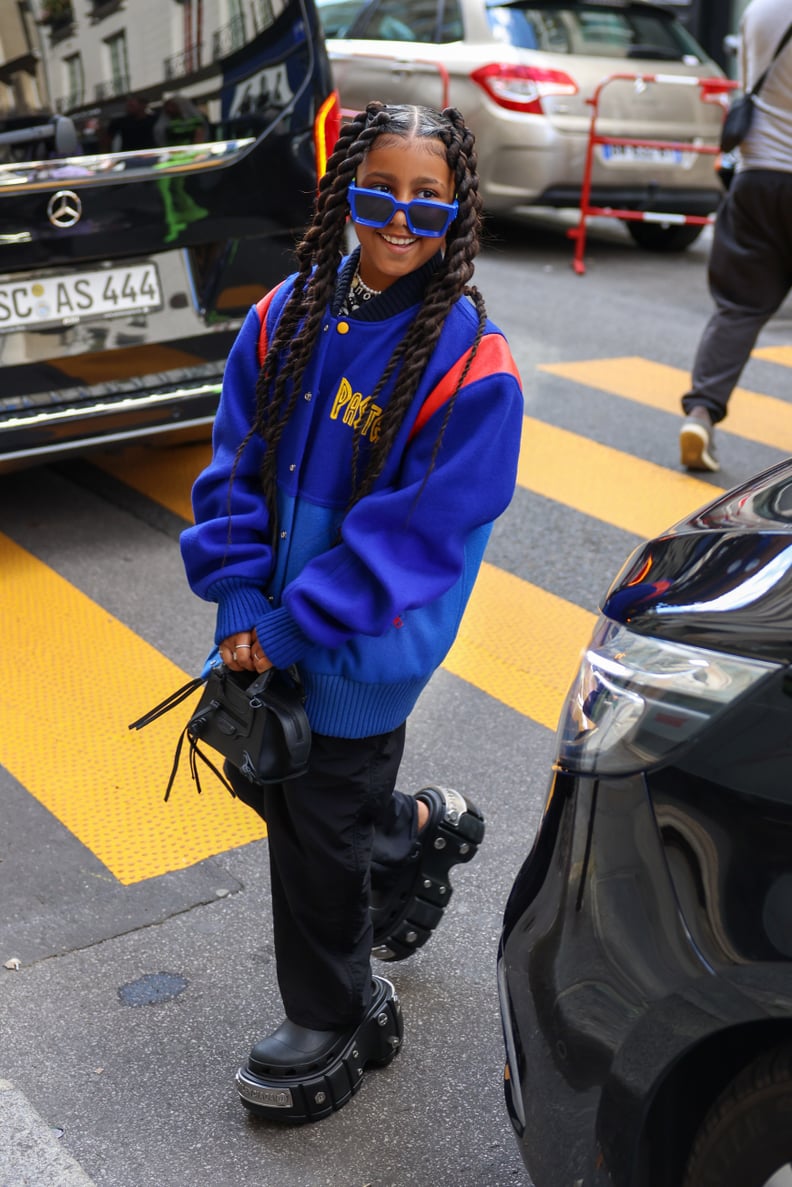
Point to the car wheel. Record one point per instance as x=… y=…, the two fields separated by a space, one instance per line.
x=660 y=237
x=746 y=1138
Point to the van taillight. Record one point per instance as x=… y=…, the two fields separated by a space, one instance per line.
x=522 y=88
x=327 y=126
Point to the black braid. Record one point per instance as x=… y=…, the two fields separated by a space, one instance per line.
x=319 y=256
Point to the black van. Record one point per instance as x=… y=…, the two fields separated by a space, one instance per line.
x=645 y=962
x=144 y=206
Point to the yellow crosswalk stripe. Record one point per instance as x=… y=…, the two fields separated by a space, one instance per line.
x=64 y=736
x=616 y=487
x=166 y=476
x=520 y=644
x=775 y=354
x=755 y=417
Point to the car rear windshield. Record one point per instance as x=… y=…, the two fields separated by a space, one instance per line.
x=563 y=29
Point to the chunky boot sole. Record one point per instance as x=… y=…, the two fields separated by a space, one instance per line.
x=452 y=835
x=309 y=1092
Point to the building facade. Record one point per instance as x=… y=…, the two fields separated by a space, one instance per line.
x=84 y=56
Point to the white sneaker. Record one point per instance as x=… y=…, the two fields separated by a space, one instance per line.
x=696 y=448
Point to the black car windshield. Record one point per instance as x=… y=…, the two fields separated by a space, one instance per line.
x=595 y=32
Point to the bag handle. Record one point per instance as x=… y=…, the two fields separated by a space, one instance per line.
x=262 y=682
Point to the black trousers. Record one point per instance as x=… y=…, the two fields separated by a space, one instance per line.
x=335 y=835
x=750 y=275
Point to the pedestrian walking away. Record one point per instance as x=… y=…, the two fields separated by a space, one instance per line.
x=366 y=439
x=750 y=264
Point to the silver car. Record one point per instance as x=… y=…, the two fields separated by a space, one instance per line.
x=523 y=73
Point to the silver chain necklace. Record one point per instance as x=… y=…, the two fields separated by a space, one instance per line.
x=359 y=293
x=364 y=289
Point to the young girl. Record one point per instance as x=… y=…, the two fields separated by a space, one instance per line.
x=366 y=439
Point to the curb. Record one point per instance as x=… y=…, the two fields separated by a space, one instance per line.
x=30 y=1153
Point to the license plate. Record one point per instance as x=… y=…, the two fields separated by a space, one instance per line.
x=639 y=155
x=66 y=299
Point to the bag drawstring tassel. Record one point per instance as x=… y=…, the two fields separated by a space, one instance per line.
x=175 y=766
x=195 y=753
x=169 y=703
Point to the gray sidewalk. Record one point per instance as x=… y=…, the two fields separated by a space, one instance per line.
x=31 y=1154
x=122 y=1029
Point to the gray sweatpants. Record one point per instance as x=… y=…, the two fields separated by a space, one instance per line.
x=750 y=275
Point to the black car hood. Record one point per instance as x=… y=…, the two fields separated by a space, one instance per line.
x=722 y=578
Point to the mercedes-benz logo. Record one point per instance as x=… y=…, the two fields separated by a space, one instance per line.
x=64 y=209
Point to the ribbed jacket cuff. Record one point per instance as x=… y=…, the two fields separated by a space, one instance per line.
x=283 y=642
x=240 y=606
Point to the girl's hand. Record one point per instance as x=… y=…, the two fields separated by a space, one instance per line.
x=260 y=660
x=242 y=652
x=235 y=652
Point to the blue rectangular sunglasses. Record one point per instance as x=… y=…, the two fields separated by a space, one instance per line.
x=373 y=208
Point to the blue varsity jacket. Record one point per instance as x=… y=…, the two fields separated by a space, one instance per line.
x=366 y=603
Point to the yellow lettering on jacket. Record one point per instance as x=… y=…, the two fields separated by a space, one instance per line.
x=356 y=410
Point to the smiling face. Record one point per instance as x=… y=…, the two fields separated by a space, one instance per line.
x=406 y=169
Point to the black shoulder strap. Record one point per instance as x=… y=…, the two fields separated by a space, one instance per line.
x=294 y=722
x=287 y=705
x=757 y=86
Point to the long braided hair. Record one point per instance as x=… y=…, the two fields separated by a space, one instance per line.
x=319 y=255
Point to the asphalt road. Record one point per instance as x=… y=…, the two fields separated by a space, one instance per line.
x=139 y=935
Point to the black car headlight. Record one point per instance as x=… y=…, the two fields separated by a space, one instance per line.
x=637 y=698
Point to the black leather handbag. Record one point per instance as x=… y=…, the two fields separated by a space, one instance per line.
x=257 y=723
x=737 y=123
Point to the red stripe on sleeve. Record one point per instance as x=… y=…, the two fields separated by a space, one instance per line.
x=493 y=355
x=262 y=308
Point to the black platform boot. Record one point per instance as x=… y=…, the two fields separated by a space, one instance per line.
x=297 y=1075
x=411 y=912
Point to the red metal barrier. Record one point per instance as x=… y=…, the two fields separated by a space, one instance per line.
x=712 y=91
